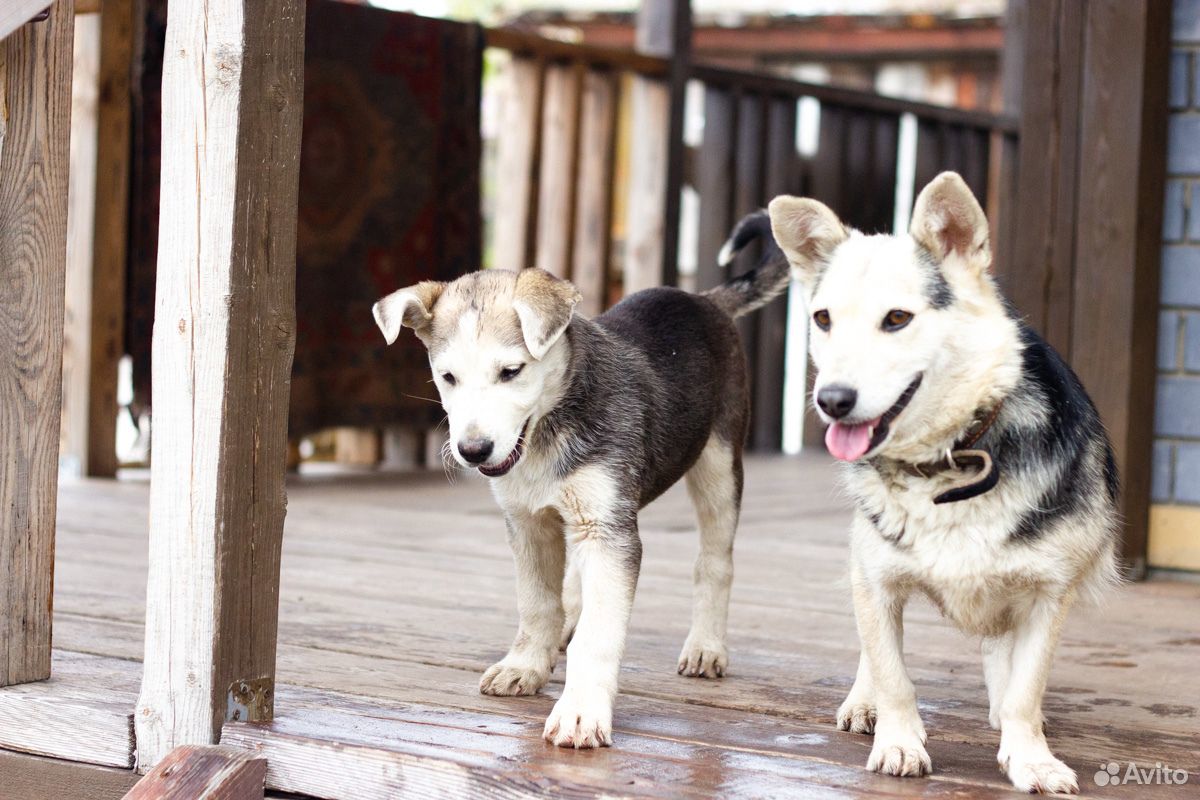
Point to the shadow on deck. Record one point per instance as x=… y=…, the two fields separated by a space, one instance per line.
x=398 y=591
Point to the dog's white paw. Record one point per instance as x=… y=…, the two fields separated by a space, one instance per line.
x=580 y=719
x=506 y=678
x=703 y=657
x=856 y=716
x=899 y=749
x=1035 y=769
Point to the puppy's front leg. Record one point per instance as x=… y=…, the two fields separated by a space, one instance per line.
x=1024 y=754
x=899 y=747
x=539 y=551
x=608 y=561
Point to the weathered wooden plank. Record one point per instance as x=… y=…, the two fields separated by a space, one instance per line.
x=224 y=334
x=84 y=712
x=16 y=13
x=195 y=772
x=664 y=28
x=517 y=164
x=748 y=196
x=557 y=185
x=780 y=160
x=594 y=205
x=35 y=104
x=714 y=176
x=37 y=778
x=1118 y=228
x=111 y=234
x=81 y=202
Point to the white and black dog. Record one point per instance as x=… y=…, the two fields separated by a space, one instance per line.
x=579 y=424
x=980 y=472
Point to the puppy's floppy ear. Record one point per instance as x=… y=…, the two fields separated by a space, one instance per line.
x=412 y=307
x=807 y=231
x=544 y=304
x=948 y=220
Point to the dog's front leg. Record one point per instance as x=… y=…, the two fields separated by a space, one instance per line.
x=539 y=551
x=608 y=561
x=899 y=747
x=1024 y=754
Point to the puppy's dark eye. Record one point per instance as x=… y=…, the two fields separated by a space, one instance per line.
x=508 y=373
x=448 y=377
x=822 y=319
x=896 y=319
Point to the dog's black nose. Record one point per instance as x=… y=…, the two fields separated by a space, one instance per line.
x=476 y=451
x=837 y=400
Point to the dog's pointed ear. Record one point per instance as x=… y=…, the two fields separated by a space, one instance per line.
x=948 y=220
x=807 y=231
x=544 y=304
x=411 y=307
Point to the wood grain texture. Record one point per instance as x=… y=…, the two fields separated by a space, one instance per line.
x=36 y=778
x=517 y=162
x=399 y=589
x=194 y=772
x=111 y=234
x=714 y=179
x=594 y=200
x=559 y=162
x=224 y=333
x=35 y=84
x=81 y=203
x=83 y=713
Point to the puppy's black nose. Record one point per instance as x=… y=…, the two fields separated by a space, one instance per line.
x=476 y=451
x=837 y=400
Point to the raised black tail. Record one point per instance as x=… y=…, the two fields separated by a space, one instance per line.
x=754 y=289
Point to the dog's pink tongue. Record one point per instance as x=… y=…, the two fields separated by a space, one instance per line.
x=848 y=442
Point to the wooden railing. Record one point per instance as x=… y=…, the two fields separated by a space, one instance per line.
x=560 y=175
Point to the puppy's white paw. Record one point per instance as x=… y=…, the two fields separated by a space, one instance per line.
x=899 y=749
x=507 y=678
x=1035 y=769
x=703 y=657
x=580 y=719
x=856 y=716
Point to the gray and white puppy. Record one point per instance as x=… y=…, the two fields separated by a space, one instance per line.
x=578 y=424
x=980 y=472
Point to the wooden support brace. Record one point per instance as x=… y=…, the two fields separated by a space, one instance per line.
x=192 y=772
x=35 y=122
x=224 y=334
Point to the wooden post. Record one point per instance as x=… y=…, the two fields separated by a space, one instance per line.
x=664 y=28
x=224 y=333
x=561 y=112
x=35 y=123
x=594 y=197
x=81 y=202
x=111 y=232
x=518 y=159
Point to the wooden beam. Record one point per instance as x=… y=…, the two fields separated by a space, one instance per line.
x=111 y=232
x=1123 y=143
x=224 y=335
x=561 y=112
x=38 y=778
x=193 y=772
x=517 y=163
x=594 y=197
x=81 y=204
x=35 y=122
x=656 y=162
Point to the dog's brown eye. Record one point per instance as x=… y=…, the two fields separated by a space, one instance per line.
x=822 y=319
x=508 y=373
x=896 y=319
x=448 y=378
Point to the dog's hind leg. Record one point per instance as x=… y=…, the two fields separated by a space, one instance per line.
x=899 y=747
x=857 y=713
x=715 y=486
x=572 y=601
x=1024 y=754
x=539 y=550
x=997 y=665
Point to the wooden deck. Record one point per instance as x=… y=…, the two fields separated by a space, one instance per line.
x=398 y=592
